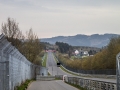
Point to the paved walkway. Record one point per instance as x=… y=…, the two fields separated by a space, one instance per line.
x=50 y=85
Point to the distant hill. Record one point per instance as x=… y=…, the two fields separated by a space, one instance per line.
x=94 y=40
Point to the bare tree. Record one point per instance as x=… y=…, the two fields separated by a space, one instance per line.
x=11 y=30
x=31 y=47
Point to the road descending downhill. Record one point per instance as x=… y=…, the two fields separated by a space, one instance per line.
x=50 y=85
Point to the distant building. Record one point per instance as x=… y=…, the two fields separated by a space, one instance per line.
x=81 y=53
x=85 y=54
x=76 y=52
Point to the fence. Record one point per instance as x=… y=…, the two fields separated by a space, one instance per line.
x=14 y=67
x=4 y=76
x=105 y=72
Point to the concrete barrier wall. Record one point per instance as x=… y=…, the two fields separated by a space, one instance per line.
x=91 y=84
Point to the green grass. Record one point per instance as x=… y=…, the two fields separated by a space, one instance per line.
x=77 y=86
x=24 y=85
x=44 y=61
x=55 y=59
x=67 y=71
x=49 y=74
x=73 y=57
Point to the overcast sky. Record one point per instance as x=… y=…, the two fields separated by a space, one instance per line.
x=49 y=18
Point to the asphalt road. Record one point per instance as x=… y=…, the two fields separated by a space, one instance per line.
x=52 y=66
x=50 y=85
x=58 y=84
x=54 y=70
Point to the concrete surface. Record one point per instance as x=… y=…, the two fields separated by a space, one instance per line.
x=50 y=85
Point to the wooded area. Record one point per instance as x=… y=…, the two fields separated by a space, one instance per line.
x=63 y=47
x=105 y=59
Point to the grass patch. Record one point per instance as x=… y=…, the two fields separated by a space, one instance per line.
x=44 y=61
x=49 y=74
x=73 y=57
x=24 y=85
x=67 y=71
x=77 y=86
x=55 y=59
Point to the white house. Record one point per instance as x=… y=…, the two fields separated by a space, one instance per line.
x=76 y=52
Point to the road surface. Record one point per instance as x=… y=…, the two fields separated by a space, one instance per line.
x=52 y=66
x=54 y=70
x=58 y=84
x=50 y=85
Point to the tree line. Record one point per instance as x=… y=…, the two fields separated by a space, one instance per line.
x=63 y=47
x=105 y=59
x=29 y=44
x=68 y=49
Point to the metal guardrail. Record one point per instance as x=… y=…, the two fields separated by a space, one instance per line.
x=45 y=78
x=59 y=77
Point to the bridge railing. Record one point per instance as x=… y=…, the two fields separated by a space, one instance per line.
x=91 y=84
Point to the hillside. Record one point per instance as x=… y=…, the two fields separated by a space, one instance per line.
x=94 y=40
